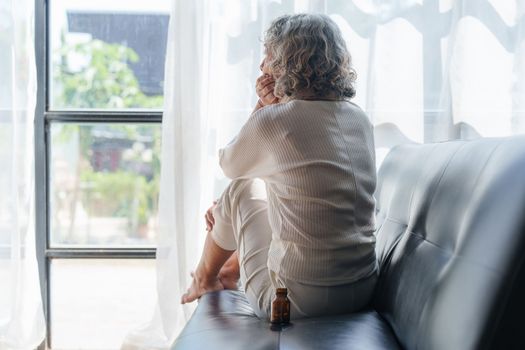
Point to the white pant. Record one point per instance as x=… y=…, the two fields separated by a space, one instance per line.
x=241 y=223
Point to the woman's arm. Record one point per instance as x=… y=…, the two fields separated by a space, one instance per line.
x=248 y=155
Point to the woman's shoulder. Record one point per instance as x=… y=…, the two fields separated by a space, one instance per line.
x=355 y=106
x=335 y=106
x=357 y=110
x=276 y=113
x=271 y=114
x=269 y=111
x=291 y=107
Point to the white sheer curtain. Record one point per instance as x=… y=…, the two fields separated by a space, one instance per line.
x=435 y=70
x=428 y=70
x=22 y=323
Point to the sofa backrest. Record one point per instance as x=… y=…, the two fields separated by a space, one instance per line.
x=450 y=240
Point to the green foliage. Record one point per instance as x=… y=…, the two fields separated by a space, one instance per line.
x=119 y=194
x=105 y=81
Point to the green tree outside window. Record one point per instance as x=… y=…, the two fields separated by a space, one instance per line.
x=107 y=82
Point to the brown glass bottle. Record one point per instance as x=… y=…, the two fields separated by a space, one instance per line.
x=280 y=307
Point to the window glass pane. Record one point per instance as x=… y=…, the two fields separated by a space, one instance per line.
x=96 y=303
x=104 y=184
x=107 y=54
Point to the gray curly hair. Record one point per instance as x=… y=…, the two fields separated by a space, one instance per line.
x=308 y=55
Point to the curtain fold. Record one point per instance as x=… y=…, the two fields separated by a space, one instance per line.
x=428 y=71
x=183 y=182
x=22 y=324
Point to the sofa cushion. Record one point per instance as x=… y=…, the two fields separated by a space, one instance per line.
x=225 y=320
x=450 y=243
x=450 y=240
x=365 y=330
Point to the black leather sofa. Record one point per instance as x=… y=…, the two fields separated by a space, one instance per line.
x=451 y=249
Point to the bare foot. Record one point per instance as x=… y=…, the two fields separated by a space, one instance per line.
x=200 y=287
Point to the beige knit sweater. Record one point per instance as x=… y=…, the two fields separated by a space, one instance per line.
x=318 y=162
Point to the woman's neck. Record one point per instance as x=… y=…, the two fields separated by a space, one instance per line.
x=309 y=96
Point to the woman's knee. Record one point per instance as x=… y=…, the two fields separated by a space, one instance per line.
x=246 y=189
x=239 y=186
x=241 y=199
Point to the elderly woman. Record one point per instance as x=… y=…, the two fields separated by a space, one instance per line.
x=299 y=212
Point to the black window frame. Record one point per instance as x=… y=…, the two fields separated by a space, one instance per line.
x=44 y=117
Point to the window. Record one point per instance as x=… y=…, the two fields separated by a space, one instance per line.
x=107 y=54
x=103 y=184
x=98 y=128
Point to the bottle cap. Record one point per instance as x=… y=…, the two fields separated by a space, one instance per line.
x=281 y=291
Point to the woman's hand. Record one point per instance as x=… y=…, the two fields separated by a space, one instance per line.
x=210 y=220
x=264 y=87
